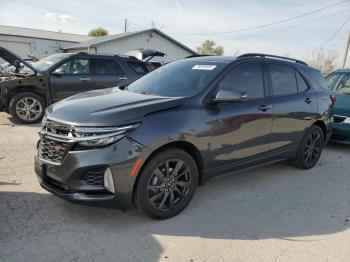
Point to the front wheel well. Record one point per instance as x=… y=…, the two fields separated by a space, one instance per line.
x=31 y=89
x=183 y=145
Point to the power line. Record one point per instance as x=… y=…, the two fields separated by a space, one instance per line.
x=291 y=27
x=267 y=25
x=336 y=32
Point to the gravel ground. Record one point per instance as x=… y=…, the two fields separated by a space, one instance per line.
x=275 y=213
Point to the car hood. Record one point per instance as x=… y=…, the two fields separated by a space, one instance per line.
x=109 y=107
x=342 y=105
x=10 y=57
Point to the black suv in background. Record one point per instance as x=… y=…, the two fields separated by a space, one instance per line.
x=26 y=93
x=180 y=125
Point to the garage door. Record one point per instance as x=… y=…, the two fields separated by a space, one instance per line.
x=19 y=48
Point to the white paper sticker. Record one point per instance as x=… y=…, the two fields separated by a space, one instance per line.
x=204 y=67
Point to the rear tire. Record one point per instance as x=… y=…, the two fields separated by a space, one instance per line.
x=310 y=148
x=167 y=183
x=27 y=108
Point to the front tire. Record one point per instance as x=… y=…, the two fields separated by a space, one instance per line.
x=27 y=108
x=310 y=149
x=167 y=183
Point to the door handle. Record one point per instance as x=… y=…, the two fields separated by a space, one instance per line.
x=264 y=108
x=84 y=78
x=123 y=78
x=308 y=100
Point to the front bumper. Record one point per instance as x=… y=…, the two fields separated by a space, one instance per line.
x=68 y=179
x=341 y=133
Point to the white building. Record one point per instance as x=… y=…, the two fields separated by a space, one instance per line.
x=122 y=43
x=39 y=43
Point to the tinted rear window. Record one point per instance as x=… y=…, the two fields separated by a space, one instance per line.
x=302 y=86
x=283 y=80
x=138 y=67
x=106 y=67
x=317 y=78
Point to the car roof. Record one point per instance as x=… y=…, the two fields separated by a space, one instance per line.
x=225 y=59
x=105 y=55
x=249 y=56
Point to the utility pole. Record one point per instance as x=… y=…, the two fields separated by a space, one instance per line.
x=346 y=50
x=125 y=24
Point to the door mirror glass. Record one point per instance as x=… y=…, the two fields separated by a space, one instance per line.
x=229 y=96
x=58 y=72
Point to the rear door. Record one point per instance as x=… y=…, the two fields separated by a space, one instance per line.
x=241 y=130
x=295 y=106
x=70 y=78
x=107 y=73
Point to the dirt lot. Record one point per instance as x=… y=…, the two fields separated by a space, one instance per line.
x=275 y=213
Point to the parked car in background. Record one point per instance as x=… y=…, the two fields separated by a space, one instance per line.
x=180 y=125
x=339 y=84
x=28 y=91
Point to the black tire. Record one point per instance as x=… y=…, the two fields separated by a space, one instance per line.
x=177 y=187
x=34 y=114
x=310 y=148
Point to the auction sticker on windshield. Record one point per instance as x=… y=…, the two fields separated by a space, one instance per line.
x=204 y=67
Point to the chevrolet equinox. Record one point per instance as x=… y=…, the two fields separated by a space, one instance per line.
x=152 y=142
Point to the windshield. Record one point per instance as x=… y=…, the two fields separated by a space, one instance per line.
x=339 y=82
x=179 y=78
x=47 y=62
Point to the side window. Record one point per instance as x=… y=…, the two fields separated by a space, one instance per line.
x=344 y=84
x=75 y=66
x=106 y=67
x=139 y=68
x=302 y=86
x=247 y=78
x=283 y=80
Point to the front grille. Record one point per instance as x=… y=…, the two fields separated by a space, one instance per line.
x=51 y=150
x=94 y=177
x=338 y=119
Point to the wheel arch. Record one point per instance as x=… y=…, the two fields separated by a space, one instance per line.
x=323 y=126
x=183 y=145
x=21 y=89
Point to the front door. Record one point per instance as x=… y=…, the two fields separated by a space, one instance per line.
x=70 y=78
x=241 y=130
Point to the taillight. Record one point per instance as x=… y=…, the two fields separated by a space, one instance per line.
x=333 y=98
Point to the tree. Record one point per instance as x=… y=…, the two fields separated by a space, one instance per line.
x=99 y=31
x=324 y=60
x=209 y=47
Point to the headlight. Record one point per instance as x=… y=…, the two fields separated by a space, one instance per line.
x=100 y=136
x=101 y=141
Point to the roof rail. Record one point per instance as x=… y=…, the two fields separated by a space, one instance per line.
x=272 y=56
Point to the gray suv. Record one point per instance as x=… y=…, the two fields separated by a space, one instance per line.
x=184 y=123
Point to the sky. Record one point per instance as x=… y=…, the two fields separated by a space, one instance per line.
x=192 y=22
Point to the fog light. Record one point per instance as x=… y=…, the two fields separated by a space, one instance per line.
x=108 y=180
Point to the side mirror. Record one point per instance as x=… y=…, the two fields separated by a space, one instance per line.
x=228 y=96
x=57 y=72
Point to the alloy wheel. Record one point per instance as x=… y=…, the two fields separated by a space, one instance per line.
x=169 y=185
x=28 y=108
x=313 y=147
